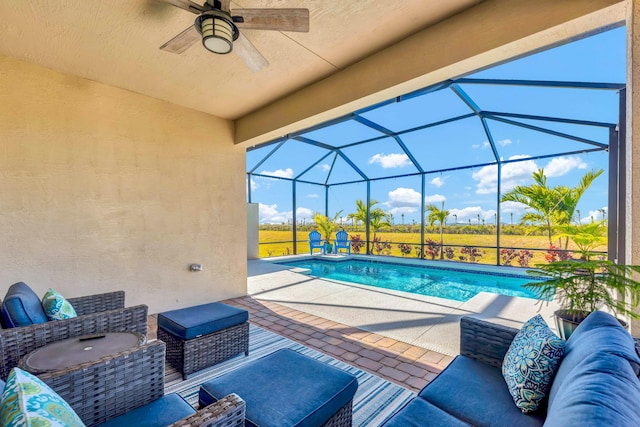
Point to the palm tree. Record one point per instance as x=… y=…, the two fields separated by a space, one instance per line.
x=569 y=197
x=378 y=218
x=440 y=215
x=360 y=216
x=326 y=225
x=550 y=206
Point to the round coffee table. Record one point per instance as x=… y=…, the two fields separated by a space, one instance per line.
x=74 y=351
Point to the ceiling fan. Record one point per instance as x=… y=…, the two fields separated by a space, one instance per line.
x=219 y=28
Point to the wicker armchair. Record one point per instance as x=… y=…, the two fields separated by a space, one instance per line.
x=96 y=313
x=116 y=384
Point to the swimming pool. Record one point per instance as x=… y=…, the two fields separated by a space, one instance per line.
x=458 y=285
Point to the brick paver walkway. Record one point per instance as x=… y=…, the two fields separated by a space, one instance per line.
x=404 y=364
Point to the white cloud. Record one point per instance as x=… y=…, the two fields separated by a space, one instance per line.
x=434 y=198
x=312 y=196
x=325 y=167
x=402 y=210
x=437 y=182
x=254 y=185
x=594 y=216
x=559 y=166
x=403 y=197
x=486 y=144
x=281 y=173
x=512 y=174
x=269 y=214
x=389 y=161
x=304 y=213
x=407 y=200
x=513 y=207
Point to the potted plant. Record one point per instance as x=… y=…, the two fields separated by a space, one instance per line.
x=326 y=227
x=584 y=285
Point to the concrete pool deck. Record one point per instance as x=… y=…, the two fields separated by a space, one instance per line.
x=428 y=322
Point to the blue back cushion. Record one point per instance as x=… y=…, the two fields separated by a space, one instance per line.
x=597 y=383
x=602 y=391
x=22 y=307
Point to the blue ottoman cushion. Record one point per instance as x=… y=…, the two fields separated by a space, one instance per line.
x=22 y=307
x=285 y=388
x=159 y=413
x=191 y=322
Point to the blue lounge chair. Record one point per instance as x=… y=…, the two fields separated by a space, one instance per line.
x=342 y=242
x=315 y=241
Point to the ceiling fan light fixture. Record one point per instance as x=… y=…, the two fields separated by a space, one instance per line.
x=218 y=31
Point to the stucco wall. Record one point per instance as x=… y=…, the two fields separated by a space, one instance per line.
x=104 y=189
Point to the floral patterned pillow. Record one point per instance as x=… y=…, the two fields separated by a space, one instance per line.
x=56 y=307
x=27 y=401
x=531 y=363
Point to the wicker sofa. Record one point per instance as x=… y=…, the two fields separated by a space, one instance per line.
x=96 y=313
x=596 y=383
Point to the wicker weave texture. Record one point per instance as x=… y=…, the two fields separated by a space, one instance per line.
x=189 y=356
x=226 y=412
x=113 y=385
x=342 y=418
x=97 y=303
x=15 y=343
x=485 y=341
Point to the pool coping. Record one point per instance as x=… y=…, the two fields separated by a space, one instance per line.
x=507 y=271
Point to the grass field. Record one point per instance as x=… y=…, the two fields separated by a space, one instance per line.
x=278 y=243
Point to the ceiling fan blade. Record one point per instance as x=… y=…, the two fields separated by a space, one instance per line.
x=249 y=54
x=187 y=5
x=272 y=19
x=182 y=41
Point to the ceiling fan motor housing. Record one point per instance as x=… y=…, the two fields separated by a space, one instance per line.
x=218 y=31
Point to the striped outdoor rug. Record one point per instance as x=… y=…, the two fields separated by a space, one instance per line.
x=374 y=401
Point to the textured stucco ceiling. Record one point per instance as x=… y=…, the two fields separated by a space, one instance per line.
x=117 y=42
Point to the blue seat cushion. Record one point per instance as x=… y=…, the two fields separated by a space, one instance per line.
x=22 y=307
x=159 y=413
x=191 y=322
x=419 y=413
x=477 y=394
x=285 y=388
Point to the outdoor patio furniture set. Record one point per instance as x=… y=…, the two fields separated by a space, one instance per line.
x=116 y=378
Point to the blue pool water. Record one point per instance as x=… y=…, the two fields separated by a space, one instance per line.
x=451 y=284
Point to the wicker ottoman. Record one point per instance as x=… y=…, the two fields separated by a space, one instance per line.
x=286 y=388
x=200 y=336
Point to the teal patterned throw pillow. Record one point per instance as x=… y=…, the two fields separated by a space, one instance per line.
x=531 y=363
x=27 y=401
x=56 y=307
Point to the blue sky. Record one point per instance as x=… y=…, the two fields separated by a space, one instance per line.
x=468 y=194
